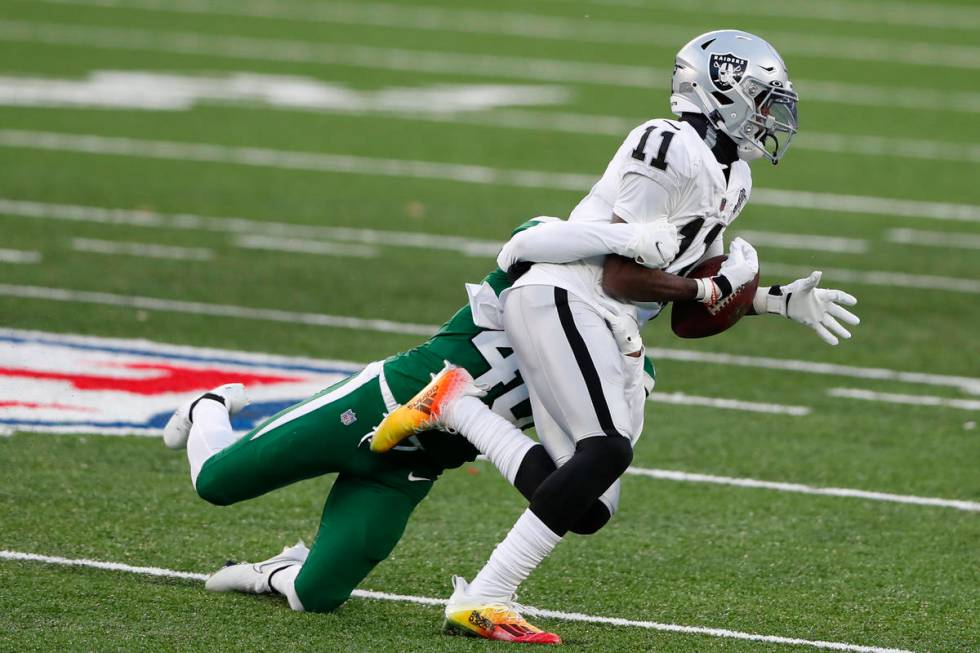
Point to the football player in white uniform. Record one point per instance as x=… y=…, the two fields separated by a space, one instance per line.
x=574 y=327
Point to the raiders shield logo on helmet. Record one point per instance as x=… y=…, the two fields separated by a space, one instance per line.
x=727 y=70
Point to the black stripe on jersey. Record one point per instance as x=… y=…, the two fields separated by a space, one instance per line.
x=585 y=364
x=710 y=238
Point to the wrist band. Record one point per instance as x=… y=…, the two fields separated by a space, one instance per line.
x=708 y=291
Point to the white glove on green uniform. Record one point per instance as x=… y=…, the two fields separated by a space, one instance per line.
x=818 y=308
x=655 y=244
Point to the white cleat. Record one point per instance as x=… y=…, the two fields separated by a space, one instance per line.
x=175 y=433
x=255 y=578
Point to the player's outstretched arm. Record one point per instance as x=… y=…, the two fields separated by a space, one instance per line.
x=818 y=308
x=558 y=241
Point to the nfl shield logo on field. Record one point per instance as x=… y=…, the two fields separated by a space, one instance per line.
x=77 y=384
x=727 y=70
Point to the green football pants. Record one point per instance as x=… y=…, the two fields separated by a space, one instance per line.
x=370 y=502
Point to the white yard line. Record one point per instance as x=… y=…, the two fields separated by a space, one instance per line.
x=910 y=400
x=247 y=227
x=798 y=488
x=216 y=310
x=911 y=14
x=284 y=236
x=600 y=125
x=536 y=26
x=881 y=278
x=796 y=199
x=150 y=250
x=19 y=256
x=453 y=63
x=20 y=556
x=461 y=173
x=964 y=383
x=890 y=147
x=683 y=399
x=580 y=123
x=293 y=160
x=305 y=246
x=808 y=242
x=942 y=239
x=967 y=384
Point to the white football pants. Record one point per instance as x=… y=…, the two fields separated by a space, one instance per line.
x=580 y=384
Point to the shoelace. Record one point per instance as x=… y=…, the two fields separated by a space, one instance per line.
x=511 y=613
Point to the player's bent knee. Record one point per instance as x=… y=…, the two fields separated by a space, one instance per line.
x=212 y=491
x=593 y=520
x=324 y=601
x=611 y=452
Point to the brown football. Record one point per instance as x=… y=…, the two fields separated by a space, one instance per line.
x=692 y=319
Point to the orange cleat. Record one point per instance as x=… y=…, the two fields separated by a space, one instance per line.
x=470 y=617
x=425 y=410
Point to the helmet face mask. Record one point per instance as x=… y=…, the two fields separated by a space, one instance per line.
x=770 y=128
x=741 y=84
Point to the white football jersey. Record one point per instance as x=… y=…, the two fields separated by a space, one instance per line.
x=663 y=169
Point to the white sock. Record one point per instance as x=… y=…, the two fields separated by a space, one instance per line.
x=526 y=545
x=504 y=444
x=211 y=432
x=284 y=582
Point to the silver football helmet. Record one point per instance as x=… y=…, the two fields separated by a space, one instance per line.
x=740 y=83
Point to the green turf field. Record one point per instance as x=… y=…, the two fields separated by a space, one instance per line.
x=886 y=165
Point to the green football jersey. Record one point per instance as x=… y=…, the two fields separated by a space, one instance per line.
x=484 y=353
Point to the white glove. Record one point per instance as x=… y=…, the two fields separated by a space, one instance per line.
x=655 y=244
x=818 y=308
x=626 y=332
x=739 y=268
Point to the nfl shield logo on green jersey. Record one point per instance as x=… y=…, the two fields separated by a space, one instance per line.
x=348 y=417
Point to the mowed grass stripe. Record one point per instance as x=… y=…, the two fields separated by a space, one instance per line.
x=452 y=63
x=967 y=384
x=559 y=28
x=451 y=172
x=20 y=556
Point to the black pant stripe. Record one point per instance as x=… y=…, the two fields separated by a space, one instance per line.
x=585 y=364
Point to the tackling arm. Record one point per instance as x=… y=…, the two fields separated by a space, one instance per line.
x=558 y=241
x=625 y=280
x=632 y=283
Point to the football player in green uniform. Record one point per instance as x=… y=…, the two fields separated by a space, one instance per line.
x=373 y=495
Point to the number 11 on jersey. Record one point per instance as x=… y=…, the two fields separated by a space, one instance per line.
x=660 y=160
